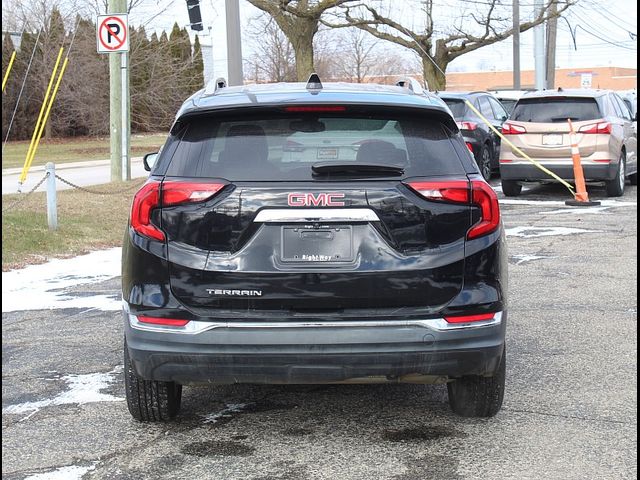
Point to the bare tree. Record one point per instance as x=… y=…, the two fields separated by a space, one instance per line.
x=357 y=52
x=476 y=25
x=273 y=59
x=299 y=20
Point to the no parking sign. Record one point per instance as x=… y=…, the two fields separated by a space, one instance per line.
x=113 y=33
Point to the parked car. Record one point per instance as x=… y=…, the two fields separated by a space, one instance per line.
x=481 y=141
x=630 y=98
x=508 y=98
x=538 y=126
x=248 y=261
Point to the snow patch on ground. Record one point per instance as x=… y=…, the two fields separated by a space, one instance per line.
x=43 y=287
x=71 y=472
x=532 y=232
x=81 y=389
x=227 y=412
x=523 y=258
x=604 y=206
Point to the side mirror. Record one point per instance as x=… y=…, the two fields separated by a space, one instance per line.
x=149 y=160
x=503 y=118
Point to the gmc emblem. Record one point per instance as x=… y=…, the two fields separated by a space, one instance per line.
x=315 y=200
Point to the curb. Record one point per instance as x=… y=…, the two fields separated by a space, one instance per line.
x=64 y=166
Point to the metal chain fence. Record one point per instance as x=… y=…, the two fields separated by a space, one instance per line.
x=24 y=197
x=98 y=192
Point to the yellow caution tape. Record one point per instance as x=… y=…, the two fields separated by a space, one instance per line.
x=27 y=162
x=6 y=75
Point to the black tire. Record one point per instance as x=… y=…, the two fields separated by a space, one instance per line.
x=511 y=188
x=476 y=396
x=615 y=187
x=148 y=400
x=484 y=162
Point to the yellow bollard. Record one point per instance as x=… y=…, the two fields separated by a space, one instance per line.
x=25 y=168
x=6 y=75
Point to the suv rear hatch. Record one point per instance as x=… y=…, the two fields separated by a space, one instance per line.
x=316 y=211
x=546 y=130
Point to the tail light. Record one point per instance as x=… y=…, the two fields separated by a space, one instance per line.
x=175 y=193
x=469 y=146
x=479 y=193
x=467 y=125
x=167 y=322
x=600 y=127
x=511 y=129
x=316 y=108
x=481 y=317
x=149 y=197
x=145 y=200
x=291 y=146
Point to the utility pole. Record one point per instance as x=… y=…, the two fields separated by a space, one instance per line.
x=234 y=43
x=552 y=34
x=516 y=44
x=119 y=107
x=538 y=38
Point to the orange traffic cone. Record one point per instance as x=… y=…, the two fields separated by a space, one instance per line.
x=581 y=198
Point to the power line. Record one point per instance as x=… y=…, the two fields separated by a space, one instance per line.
x=603 y=14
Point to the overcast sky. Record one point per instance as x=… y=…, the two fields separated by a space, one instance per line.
x=603 y=31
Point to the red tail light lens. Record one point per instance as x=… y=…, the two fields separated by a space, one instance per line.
x=470 y=318
x=485 y=197
x=173 y=193
x=145 y=200
x=600 y=127
x=458 y=191
x=511 y=129
x=469 y=146
x=168 y=322
x=467 y=125
x=316 y=108
x=291 y=146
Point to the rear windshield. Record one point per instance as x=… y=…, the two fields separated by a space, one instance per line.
x=555 y=109
x=286 y=146
x=457 y=107
x=508 y=104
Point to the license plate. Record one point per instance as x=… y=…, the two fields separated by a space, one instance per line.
x=327 y=153
x=308 y=244
x=552 y=139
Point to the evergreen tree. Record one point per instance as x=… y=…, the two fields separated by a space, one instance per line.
x=197 y=67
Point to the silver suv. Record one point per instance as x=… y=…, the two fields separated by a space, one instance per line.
x=538 y=126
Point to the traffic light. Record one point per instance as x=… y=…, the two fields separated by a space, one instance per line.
x=195 y=17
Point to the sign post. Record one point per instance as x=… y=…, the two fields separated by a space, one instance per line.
x=113 y=38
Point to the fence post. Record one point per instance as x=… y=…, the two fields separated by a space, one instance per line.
x=52 y=201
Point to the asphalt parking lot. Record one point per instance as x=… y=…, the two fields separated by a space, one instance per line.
x=570 y=409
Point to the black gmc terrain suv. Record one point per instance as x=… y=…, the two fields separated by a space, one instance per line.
x=309 y=233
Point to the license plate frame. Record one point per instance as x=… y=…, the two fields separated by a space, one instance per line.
x=313 y=244
x=552 y=139
x=327 y=153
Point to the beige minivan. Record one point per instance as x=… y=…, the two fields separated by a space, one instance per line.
x=538 y=126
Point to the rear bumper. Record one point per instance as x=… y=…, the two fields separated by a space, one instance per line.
x=372 y=352
x=529 y=172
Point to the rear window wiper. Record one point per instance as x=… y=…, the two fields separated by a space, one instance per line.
x=356 y=168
